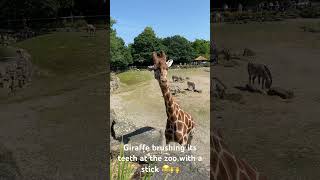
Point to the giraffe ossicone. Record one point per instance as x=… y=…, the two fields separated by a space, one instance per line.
x=180 y=124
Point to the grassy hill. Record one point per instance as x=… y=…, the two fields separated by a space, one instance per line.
x=62 y=61
x=58 y=121
x=66 y=53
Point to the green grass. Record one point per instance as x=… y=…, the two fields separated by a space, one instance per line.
x=311 y=27
x=124 y=170
x=65 y=53
x=271 y=33
x=7 y=51
x=135 y=77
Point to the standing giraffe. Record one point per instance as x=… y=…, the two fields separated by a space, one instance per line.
x=91 y=29
x=225 y=166
x=180 y=124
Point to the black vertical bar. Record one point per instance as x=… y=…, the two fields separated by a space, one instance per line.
x=107 y=6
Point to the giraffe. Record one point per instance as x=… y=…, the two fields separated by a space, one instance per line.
x=180 y=124
x=226 y=166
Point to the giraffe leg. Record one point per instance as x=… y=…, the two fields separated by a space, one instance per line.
x=253 y=79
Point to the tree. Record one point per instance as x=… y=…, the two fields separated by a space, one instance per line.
x=120 y=54
x=179 y=49
x=201 y=47
x=18 y=9
x=143 y=46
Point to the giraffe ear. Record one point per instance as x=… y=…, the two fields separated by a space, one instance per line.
x=169 y=62
x=151 y=68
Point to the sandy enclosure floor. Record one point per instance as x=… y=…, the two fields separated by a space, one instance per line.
x=144 y=106
x=57 y=133
x=280 y=137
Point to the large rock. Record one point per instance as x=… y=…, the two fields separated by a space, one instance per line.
x=132 y=135
x=283 y=93
x=16 y=71
x=248 y=52
x=254 y=88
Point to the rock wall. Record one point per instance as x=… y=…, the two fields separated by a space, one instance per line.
x=16 y=71
x=114 y=82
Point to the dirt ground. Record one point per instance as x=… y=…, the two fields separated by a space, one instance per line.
x=56 y=126
x=56 y=131
x=143 y=105
x=279 y=137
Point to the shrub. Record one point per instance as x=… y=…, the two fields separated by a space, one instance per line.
x=311 y=12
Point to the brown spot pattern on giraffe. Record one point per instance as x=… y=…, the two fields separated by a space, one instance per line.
x=230 y=164
x=222 y=173
x=227 y=167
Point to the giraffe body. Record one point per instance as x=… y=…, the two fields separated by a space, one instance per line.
x=225 y=166
x=180 y=124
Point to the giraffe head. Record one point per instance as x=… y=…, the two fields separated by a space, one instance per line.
x=160 y=66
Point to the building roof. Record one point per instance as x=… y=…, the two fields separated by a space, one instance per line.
x=201 y=58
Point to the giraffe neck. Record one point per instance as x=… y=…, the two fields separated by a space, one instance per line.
x=167 y=96
x=226 y=166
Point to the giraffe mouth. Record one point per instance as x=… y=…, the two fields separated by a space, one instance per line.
x=163 y=80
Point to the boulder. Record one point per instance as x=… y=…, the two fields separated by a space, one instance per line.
x=130 y=134
x=248 y=52
x=254 y=88
x=283 y=93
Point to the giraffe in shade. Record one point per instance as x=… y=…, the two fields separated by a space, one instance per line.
x=224 y=164
x=180 y=124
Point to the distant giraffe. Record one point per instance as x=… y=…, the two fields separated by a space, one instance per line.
x=180 y=124
x=175 y=78
x=91 y=29
x=218 y=87
x=262 y=72
x=191 y=86
x=226 y=166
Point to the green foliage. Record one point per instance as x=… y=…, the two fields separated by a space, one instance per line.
x=120 y=54
x=143 y=46
x=112 y=22
x=125 y=169
x=65 y=4
x=77 y=24
x=35 y=8
x=19 y=9
x=179 y=49
x=201 y=47
x=311 y=12
x=67 y=53
x=134 y=77
x=7 y=51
